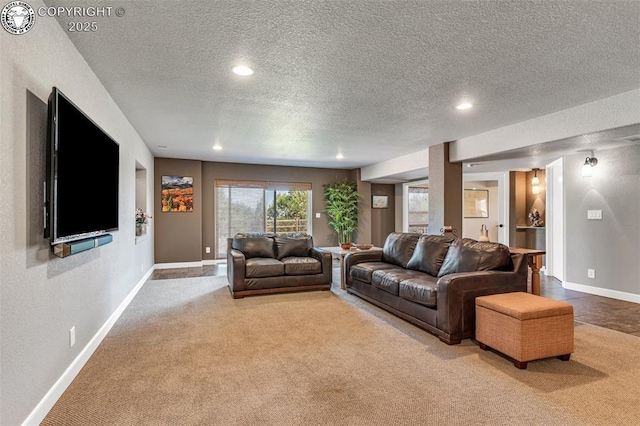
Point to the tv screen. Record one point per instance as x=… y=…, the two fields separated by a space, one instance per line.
x=83 y=169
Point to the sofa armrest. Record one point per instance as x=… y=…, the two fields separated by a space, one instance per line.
x=352 y=259
x=236 y=263
x=456 y=296
x=325 y=260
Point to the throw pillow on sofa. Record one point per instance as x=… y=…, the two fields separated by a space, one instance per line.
x=468 y=255
x=293 y=245
x=429 y=253
x=398 y=248
x=253 y=245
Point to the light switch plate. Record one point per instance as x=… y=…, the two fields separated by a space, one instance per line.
x=594 y=214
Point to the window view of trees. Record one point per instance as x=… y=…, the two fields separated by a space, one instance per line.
x=287 y=211
x=259 y=207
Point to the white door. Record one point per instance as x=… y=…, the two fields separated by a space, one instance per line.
x=555 y=219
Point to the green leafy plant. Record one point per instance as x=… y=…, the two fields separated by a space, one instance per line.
x=342 y=208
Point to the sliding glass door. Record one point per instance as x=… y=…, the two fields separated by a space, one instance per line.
x=255 y=206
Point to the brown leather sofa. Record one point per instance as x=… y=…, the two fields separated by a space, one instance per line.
x=268 y=263
x=432 y=281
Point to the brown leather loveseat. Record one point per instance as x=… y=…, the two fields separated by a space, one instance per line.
x=432 y=281
x=268 y=263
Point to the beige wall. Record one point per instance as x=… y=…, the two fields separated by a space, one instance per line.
x=445 y=190
x=323 y=234
x=178 y=235
x=383 y=220
x=183 y=237
x=522 y=200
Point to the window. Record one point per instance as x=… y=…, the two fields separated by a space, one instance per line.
x=255 y=206
x=418 y=209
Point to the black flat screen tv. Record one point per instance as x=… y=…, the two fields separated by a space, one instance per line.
x=82 y=175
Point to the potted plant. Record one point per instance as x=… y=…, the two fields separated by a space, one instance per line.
x=342 y=208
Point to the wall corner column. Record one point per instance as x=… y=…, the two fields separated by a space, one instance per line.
x=364 y=218
x=445 y=190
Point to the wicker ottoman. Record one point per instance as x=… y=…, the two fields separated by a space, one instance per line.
x=524 y=326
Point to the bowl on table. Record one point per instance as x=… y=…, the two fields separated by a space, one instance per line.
x=363 y=246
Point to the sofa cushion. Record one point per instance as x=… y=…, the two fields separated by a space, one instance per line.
x=260 y=267
x=301 y=266
x=254 y=245
x=388 y=279
x=467 y=255
x=293 y=245
x=363 y=271
x=398 y=248
x=429 y=253
x=421 y=290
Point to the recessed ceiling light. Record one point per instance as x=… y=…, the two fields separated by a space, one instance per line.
x=242 y=70
x=465 y=105
x=339 y=156
x=217 y=147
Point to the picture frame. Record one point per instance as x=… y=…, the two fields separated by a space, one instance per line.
x=177 y=194
x=380 y=202
x=476 y=203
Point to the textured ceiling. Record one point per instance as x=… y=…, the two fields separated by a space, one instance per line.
x=369 y=79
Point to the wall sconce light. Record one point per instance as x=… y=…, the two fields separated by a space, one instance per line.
x=535 y=182
x=589 y=163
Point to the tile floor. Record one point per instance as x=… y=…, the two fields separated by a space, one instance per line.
x=614 y=314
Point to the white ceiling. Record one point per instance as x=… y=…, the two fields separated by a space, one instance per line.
x=372 y=80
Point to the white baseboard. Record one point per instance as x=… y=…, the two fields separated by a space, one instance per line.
x=197 y=264
x=214 y=262
x=599 y=291
x=38 y=414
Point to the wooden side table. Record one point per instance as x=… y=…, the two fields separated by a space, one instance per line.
x=534 y=258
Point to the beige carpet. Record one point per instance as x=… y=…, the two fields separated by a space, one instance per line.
x=186 y=353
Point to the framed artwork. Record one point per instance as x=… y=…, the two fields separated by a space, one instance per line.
x=177 y=194
x=476 y=203
x=380 y=202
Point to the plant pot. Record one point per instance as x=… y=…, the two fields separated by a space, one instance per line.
x=346 y=246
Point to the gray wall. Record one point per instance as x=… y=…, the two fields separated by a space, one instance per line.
x=611 y=246
x=42 y=297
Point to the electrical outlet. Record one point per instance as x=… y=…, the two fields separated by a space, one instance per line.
x=594 y=214
x=72 y=336
x=591 y=273
x=207 y=249
x=318 y=215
